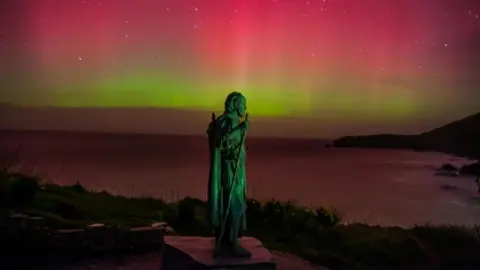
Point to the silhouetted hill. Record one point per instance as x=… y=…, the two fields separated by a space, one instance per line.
x=460 y=138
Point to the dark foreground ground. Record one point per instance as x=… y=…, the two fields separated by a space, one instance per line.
x=314 y=234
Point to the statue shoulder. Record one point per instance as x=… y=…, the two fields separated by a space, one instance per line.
x=225 y=121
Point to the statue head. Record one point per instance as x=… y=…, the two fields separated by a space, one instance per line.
x=236 y=103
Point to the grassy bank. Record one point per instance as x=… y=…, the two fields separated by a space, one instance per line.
x=312 y=233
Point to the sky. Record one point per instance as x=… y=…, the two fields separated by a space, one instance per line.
x=378 y=64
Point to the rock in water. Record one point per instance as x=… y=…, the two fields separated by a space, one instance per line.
x=448 y=167
x=194 y=253
x=472 y=169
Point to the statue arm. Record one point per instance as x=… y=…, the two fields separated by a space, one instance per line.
x=231 y=129
x=227 y=133
x=226 y=130
x=240 y=126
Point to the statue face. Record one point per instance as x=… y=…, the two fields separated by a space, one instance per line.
x=242 y=107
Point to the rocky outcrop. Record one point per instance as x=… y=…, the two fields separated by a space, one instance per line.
x=471 y=169
x=448 y=167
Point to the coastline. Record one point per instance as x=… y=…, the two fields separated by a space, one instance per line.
x=314 y=234
x=460 y=138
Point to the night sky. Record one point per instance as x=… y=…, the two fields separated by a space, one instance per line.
x=348 y=62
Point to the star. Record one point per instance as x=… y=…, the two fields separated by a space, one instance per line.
x=446 y=45
x=126 y=36
x=79 y=58
x=195 y=8
x=167 y=9
x=126 y=22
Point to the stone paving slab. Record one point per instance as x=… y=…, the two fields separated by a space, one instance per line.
x=185 y=253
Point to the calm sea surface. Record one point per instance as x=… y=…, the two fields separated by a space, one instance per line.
x=375 y=186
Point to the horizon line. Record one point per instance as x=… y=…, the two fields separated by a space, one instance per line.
x=148 y=133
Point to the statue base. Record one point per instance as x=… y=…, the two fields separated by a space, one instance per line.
x=196 y=253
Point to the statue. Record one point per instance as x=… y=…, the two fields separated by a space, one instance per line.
x=227 y=180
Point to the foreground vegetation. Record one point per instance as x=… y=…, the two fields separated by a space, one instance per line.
x=312 y=233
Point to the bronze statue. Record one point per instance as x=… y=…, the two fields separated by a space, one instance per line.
x=227 y=184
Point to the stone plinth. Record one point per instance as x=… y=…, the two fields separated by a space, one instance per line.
x=196 y=253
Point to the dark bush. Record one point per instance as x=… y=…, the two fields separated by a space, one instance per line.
x=3 y=194
x=68 y=211
x=21 y=190
x=78 y=188
x=191 y=216
x=328 y=217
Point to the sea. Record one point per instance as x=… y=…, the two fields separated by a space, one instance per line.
x=379 y=187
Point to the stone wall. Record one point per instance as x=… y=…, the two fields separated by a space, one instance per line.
x=30 y=235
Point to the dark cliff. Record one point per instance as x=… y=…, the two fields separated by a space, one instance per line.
x=461 y=138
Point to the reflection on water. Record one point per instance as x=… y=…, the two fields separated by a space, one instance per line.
x=375 y=186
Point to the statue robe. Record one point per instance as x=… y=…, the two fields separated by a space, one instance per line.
x=224 y=142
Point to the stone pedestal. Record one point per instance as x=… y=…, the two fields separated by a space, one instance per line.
x=196 y=253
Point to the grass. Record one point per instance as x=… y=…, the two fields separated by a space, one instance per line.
x=315 y=234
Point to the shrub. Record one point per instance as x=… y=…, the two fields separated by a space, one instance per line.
x=192 y=216
x=328 y=217
x=78 y=188
x=68 y=211
x=3 y=192
x=20 y=190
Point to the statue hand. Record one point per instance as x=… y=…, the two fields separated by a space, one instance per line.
x=245 y=122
